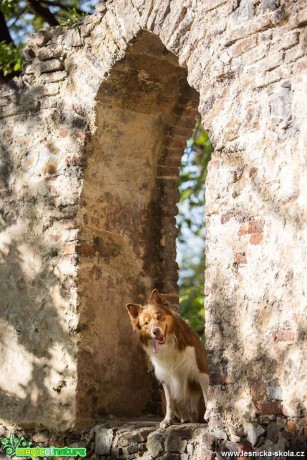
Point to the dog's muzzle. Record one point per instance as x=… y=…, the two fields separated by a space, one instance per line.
x=159 y=338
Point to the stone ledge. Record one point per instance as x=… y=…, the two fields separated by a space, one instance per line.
x=143 y=439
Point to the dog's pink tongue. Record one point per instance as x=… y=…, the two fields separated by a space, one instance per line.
x=155 y=345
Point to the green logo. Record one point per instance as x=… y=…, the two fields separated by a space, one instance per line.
x=9 y=445
x=19 y=447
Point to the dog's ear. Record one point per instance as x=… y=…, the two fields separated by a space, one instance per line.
x=134 y=310
x=157 y=299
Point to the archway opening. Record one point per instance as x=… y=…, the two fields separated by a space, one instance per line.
x=127 y=242
x=192 y=227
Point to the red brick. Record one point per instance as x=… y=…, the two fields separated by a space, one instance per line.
x=256 y=238
x=284 y=335
x=240 y=258
x=85 y=249
x=171 y=161
x=183 y=131
x=273 y=408
x=63 y=133
x=168 y=171
x=69 y=224
x=291 y=426
x=290 y=198
x=177 y=142
x=226 y=217
x=254 y=226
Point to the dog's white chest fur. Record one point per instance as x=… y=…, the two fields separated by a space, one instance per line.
x=175 y=368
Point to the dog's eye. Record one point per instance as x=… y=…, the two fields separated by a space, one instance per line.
x=159 y=317
x=145 y=324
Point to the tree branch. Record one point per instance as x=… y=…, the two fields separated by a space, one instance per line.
x=43 y=12
x=5 y=35
x=63 y=7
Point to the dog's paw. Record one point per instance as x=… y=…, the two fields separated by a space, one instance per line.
x=165 y=423
x=184 y=420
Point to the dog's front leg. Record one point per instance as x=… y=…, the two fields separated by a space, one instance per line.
x=204 y=383
x=169 y=416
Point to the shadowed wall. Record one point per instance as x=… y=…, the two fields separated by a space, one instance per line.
x=128 y=234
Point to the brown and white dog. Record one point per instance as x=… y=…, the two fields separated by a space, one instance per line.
x=177 y=355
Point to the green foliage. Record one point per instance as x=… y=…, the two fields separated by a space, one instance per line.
x=192 y=177
x=8 y=7
x=191 y=292
x=71 y=18
x=191 y=225
x=10 y=58
x=23 y=19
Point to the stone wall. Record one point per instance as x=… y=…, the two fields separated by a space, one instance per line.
x=143 y=439
x=72 y=253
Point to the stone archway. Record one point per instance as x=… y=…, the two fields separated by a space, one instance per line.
x=246 y=60
x=144 y=113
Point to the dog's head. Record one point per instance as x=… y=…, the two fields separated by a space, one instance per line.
x=154 y=321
